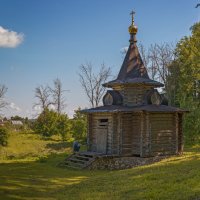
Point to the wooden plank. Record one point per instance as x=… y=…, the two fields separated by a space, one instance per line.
x=141 y=134
x=180 y=133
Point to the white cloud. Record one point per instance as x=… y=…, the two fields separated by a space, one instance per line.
x=52 y=107
x=10 y=39
x=70 y=113
x=14 y=107
x=124 y=49
x=37 y=108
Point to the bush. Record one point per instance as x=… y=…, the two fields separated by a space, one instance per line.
x=51 y=123
x=79 y=125
x=3 y=136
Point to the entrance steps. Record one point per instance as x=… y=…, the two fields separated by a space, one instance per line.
x=80 y=160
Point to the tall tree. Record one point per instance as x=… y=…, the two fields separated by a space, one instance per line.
x=42 y=93
x=3 y=90
x=187 y=64
x=161 y=57
x=188 y=61
x=79 y=125
x=92 y=83
x=58 y=95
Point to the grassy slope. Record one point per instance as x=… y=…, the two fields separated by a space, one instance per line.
x=30 y=178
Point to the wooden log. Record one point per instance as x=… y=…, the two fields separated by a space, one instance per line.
x=141 y=133
x=180 y=133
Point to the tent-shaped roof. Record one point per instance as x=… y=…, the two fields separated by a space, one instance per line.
x=133 y=70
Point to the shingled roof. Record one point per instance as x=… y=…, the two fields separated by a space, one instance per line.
x=133 y=70
x=142 y=108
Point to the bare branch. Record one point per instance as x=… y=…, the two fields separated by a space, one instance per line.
x=157 y=60
x=42 y=93
x=3 y=90
x=92 y=84
x=57 y=94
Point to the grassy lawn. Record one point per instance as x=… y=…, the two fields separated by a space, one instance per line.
x=37 y=177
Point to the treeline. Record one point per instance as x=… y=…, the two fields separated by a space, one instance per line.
x=184 y=82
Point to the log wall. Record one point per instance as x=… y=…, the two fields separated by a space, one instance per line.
x=134 y=95
x=142 y=133
x=89 y=132
x=161 y=134
x=136 y=133
x=116 y=134
x=127 y=133
x=130 y=134
x=145 y=147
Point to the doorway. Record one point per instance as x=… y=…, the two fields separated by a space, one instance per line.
x=102 y=134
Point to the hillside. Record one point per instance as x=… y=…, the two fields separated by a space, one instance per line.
x=28 y=170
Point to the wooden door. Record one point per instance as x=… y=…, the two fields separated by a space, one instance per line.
x=102 y=140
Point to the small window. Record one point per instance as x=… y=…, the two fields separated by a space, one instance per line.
x=103 y=122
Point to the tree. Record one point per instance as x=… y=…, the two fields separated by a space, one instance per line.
x=51 y=123
x=158 y=59
x=188 y=80
x=46 y=123
x=188 y=57
x=17 y=118
x=161 y=57
x=64 y=126
x=173 y=84
x=57 y=94
x=79 y=125
x=3 y=90
x=42 y=93
x=3 y=136
x=92 y=83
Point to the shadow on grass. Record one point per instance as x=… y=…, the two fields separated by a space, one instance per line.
x=173 y=179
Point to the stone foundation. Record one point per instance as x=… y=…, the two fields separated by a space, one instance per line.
x=114 y=163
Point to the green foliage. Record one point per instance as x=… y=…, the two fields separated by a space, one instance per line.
x=51 y=123
x=188 y=56
x=18 y=118
x=64 y=126
x=184 y=78
x=79 y=125
x=191 y=123
x=3 y=136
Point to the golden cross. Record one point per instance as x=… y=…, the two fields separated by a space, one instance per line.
x=132 y=14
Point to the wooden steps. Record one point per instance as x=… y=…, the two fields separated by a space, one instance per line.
x=79 y=160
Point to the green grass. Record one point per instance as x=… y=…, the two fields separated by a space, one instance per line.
x=30 y=145
x=40 y=179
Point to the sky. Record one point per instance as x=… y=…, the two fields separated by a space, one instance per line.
x=44 y=40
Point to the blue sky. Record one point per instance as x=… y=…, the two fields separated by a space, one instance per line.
x=60 y=35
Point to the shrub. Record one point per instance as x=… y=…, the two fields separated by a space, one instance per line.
x=46 y=123
x=3 y=136
x=51 y=123
x=79 y=125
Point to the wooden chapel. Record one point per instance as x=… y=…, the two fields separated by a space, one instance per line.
x=134 y=119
